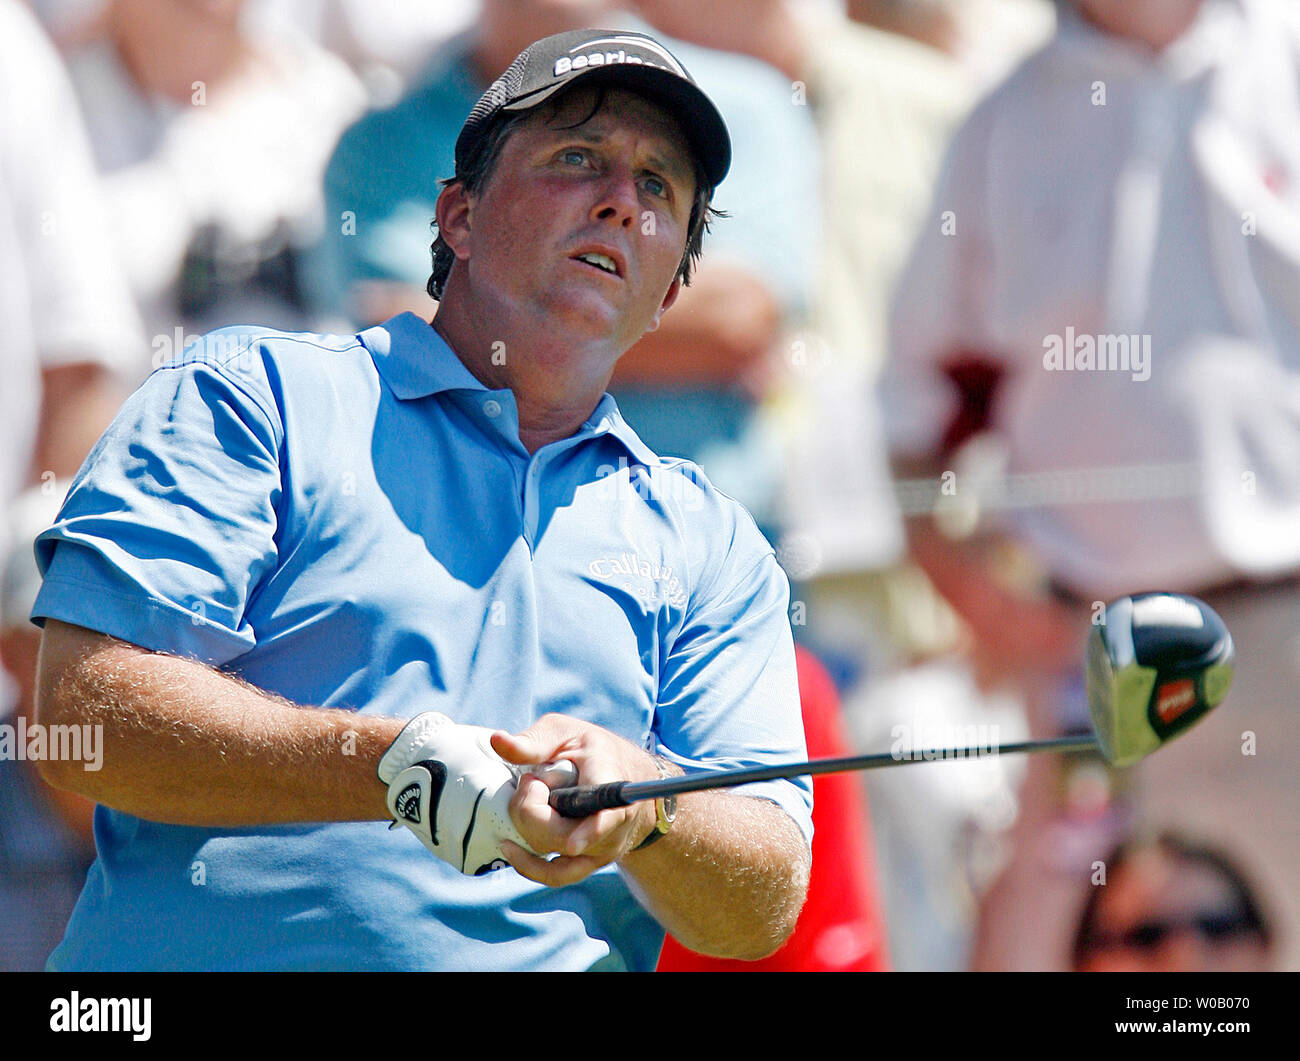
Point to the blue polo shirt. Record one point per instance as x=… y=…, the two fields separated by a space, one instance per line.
x=352 y=522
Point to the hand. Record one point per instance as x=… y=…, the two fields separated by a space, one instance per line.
x=586 y=844
x=447 y=785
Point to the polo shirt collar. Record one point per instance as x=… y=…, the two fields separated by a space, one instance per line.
x=415 y=361
x=608 y=419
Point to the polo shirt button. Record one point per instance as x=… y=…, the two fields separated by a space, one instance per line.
x=492 y=407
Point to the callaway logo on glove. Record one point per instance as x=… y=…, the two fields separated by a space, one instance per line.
x=447 y=785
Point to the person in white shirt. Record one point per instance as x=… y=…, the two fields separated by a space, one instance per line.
x=1106 y=287
x=212 y=136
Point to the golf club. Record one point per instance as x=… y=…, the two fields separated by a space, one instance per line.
x=1156 y=664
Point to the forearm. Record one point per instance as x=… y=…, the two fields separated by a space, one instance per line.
x=78 y=401
x=998 y=587
x=730 y=876
x=960 y=566
x=188 y=745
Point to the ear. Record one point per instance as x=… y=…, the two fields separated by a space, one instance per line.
x=454 y=215
x=674 y=290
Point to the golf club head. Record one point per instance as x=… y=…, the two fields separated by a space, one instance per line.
x=1157 y=664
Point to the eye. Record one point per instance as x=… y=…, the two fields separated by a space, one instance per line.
x=572 y=156
x=656 y=186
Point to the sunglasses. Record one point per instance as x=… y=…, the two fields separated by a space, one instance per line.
x=1213 y=927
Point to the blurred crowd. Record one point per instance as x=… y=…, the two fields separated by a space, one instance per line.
x=1002 y=321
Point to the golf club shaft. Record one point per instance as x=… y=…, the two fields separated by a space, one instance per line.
x=581 y=800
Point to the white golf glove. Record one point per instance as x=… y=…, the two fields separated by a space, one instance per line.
x=447 y=785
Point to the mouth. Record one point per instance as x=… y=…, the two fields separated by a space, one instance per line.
x=606 y=259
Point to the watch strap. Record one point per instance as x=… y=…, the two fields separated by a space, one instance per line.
x=665 y=811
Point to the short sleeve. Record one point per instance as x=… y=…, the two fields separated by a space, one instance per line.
x=729 y=691
x=171 y=522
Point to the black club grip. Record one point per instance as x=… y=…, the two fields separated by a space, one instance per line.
x=583 y=800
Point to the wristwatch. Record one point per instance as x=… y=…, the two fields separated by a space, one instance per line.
x=665 y=811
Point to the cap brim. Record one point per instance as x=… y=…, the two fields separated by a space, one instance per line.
x=700 y=120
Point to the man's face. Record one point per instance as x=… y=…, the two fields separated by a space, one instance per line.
x=582 y=227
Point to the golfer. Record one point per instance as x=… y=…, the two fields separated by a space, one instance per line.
x=309 y=585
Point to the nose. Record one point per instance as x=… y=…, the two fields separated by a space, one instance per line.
x=617 y=200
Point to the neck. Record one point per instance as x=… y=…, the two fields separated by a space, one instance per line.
x=555 y=392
